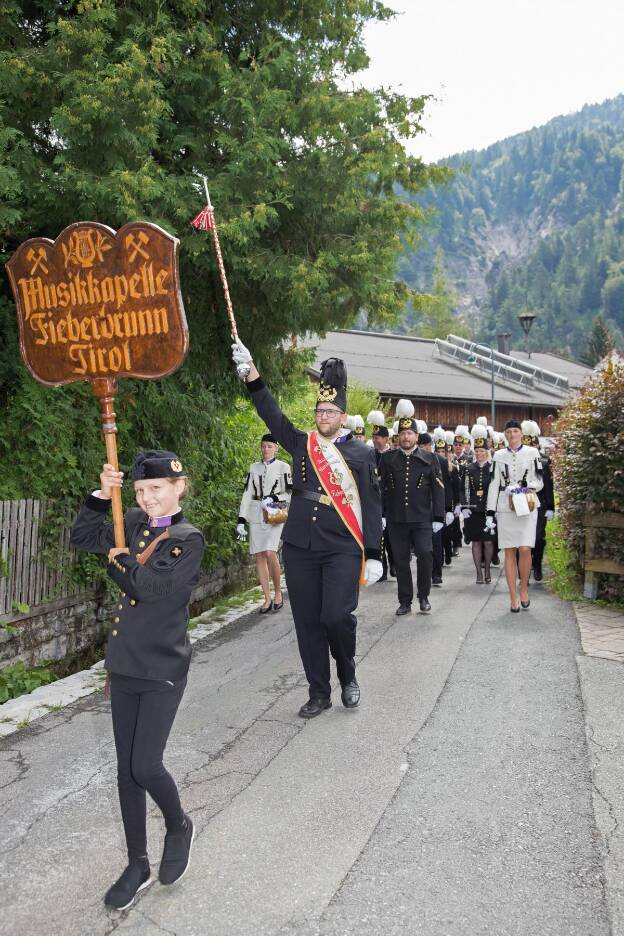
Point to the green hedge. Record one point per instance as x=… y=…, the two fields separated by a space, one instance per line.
x=589 y=466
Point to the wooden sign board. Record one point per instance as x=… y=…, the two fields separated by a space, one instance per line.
x=96 y=304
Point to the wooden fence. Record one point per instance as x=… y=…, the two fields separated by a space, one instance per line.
x=25 y=580
x=594 y=565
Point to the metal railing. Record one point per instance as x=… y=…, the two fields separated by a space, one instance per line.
x=539 y=374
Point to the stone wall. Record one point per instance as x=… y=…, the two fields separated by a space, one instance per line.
x=66 y=627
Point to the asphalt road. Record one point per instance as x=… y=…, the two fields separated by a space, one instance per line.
x=459 y=799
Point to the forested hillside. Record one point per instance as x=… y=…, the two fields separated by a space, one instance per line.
x=535 y=219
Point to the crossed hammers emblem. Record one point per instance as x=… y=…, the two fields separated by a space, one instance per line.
x=135 y=245
x=38 y=260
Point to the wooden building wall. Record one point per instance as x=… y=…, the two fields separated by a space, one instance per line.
x=452 y=413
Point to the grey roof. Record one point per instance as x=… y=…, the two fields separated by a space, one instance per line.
x=400 y=366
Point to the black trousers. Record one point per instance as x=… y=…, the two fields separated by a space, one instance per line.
x=538 y=553
x=387 y=558
x=457 y=533
x=323 y=589
x=403 y=537
x=143 y=712
x=438 y=554
x=447 y=543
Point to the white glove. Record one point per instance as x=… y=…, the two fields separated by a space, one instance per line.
x=241 y=533
x=466 y=512
x=373 y=570
x=457 y=510
x=436 y=526
x=490 y=524
x=383 y=523
x=549 y=514
x=242 y=358
x=449 y=517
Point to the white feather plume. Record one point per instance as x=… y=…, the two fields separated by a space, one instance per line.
x=462 y=431
x=421 y=425
x=404 y=408
x=450 y=437
x=439 y=433
x=479 y=431
x=395 y=427
x=481 y=421
x=376 y=418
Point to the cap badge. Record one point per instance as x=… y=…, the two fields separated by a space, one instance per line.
x=176 y=466
x=327 y=393
x=406 y=423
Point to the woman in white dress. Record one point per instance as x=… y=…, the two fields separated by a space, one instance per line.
x=512 y=503
x=268 y=482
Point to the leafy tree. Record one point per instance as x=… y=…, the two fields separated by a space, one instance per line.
x=600 y=343
x=110 y=111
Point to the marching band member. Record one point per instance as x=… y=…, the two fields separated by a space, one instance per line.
x=531 y=436
x=148 y=652
x=413 y=494
x=512 y=504
x=333 y=531
x=267 y=487
x=476 y=484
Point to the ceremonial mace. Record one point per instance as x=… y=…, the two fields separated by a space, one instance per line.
x=205 y=221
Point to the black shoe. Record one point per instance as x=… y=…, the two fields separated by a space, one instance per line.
x=515 y=610
x=538 y=574
x=263 y=610
x=437 y=582
x=176 y=853
x=392 y=571
x=479 y=580
x=314 y=707
x=384 y=578
x=455 y=553
x=425 y=607
x=278 y=607
x=447 y=561
x=525 y=604
x=495 y=559
x=135 y=878
x=403 y=609
x=351 y=694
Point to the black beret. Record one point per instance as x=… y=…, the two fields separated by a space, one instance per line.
x=267 y=437
x=512 y=424
x=424 y=438
x=157 y=464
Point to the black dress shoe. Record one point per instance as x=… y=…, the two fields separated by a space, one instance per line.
x=351 y=694
x=135 y=878
x=538 y=575
x=425 y=607
x=447 y=561
x=314 y=707
x=392 y=571
x=437 y=582
x=403 y=609
x=263 y=610
x=177 y=853
x=495 y=559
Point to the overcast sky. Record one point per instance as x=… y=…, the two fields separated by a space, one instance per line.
x=497 y=67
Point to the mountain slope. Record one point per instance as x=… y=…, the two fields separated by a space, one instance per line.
x=535 y=219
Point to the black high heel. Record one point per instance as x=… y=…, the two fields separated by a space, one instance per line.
x=264 y=610
x=525 y=604
x=515 y=610
x=278 y=607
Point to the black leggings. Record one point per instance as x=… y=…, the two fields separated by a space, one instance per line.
x=143 y=713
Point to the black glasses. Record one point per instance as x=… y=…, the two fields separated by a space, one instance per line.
x=327 y=413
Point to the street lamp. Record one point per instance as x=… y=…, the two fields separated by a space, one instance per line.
x=526 y=319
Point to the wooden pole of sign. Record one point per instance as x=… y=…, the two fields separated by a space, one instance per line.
x=104 y=389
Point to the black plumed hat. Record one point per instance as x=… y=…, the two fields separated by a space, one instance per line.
x=157 y=464
x=333 y=383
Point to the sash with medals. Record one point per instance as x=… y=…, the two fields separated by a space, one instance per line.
x=339 y=485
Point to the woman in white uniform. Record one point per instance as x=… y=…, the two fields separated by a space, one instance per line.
x=512 y=503
x=268 y=482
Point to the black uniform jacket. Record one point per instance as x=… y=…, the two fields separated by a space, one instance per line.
x=476 y=483
x=149 y=637
x=311 y=524
x=413 y=487
x=449 y=498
